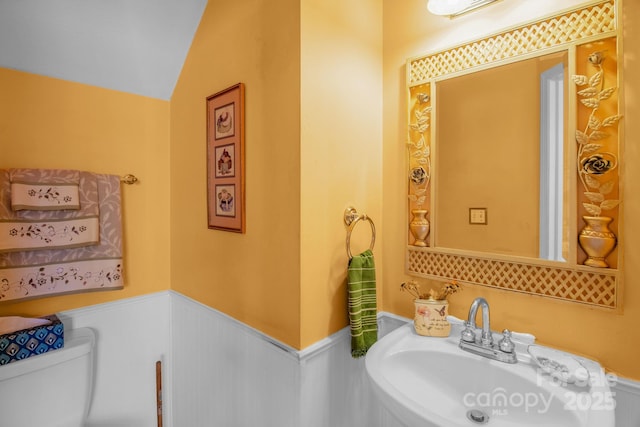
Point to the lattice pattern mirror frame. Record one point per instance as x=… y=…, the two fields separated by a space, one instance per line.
x=594 y=113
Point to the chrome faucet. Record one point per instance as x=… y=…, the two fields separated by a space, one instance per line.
x=483 y=346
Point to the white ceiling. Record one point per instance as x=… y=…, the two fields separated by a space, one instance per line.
x=135 y=46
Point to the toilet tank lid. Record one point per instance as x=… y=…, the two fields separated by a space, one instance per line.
x=77 y=343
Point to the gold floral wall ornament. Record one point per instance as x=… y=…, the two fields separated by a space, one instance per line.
x=419 y=168
x=594 y=164
x=597 y=158
x=420 y=152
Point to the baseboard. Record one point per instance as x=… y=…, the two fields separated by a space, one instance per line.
x=628 y=386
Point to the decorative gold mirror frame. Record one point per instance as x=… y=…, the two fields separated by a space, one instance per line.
x=579 y=31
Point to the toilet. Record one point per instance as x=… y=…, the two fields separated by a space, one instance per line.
x=52 y=389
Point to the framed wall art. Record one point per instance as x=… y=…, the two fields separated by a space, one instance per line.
x=225 y=159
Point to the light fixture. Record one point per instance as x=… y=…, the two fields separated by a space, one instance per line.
x=453 y=8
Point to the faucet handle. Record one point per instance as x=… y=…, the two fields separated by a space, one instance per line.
x=505 y=344
x=468 y=334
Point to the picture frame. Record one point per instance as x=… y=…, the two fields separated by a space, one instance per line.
x=225 y=160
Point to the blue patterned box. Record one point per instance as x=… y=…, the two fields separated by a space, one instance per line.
x=29 y=342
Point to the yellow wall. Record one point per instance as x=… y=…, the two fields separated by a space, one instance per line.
x=611 y=338
x=341 y=148
x=316 y=142
x=253 y=277
x=312 y=72
x=50 y=123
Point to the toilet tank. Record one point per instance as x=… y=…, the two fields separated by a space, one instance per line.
x=52 y=389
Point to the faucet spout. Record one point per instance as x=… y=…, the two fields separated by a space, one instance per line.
x=503 y=352
x=487 y=337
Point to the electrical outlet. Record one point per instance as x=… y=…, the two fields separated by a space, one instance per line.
x=477 y=215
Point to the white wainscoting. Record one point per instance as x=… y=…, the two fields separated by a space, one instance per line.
x=335 y=387
x=228 y=374
x=131 y=335
x=225 y=374
x=627 y=396
x=218 y=372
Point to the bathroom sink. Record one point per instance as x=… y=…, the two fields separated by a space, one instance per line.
x=427 y=381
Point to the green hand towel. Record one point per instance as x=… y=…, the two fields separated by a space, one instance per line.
x=361 y=284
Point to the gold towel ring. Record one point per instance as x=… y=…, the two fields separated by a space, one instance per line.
x=351 y=218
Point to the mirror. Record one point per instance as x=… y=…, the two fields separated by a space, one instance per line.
x=513 y=154
x=501 y=133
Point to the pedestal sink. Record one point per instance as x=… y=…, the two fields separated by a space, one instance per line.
x=428 y=381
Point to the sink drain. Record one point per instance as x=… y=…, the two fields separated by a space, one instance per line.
x=477 y=416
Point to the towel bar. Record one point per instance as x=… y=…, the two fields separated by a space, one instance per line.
x=351 y=218
x=129 y=179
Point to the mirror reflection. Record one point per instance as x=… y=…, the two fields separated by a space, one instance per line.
x=502 y=149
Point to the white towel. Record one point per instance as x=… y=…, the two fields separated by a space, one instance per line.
x=44 y=189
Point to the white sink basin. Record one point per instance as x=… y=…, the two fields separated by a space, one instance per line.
x=428 y=381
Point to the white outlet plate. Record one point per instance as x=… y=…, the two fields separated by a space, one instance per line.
x=477 y=215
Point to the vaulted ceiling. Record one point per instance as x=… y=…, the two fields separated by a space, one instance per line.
x=135 y=46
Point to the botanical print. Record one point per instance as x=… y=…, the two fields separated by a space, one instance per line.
x=225 y=161
x=47 y=232
x=32 y=281
x=28 y=235
x=50 y=193
x=225 y=200
x=431 y=321
x=224 y=121
x=423 y=312
x=44 y=197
